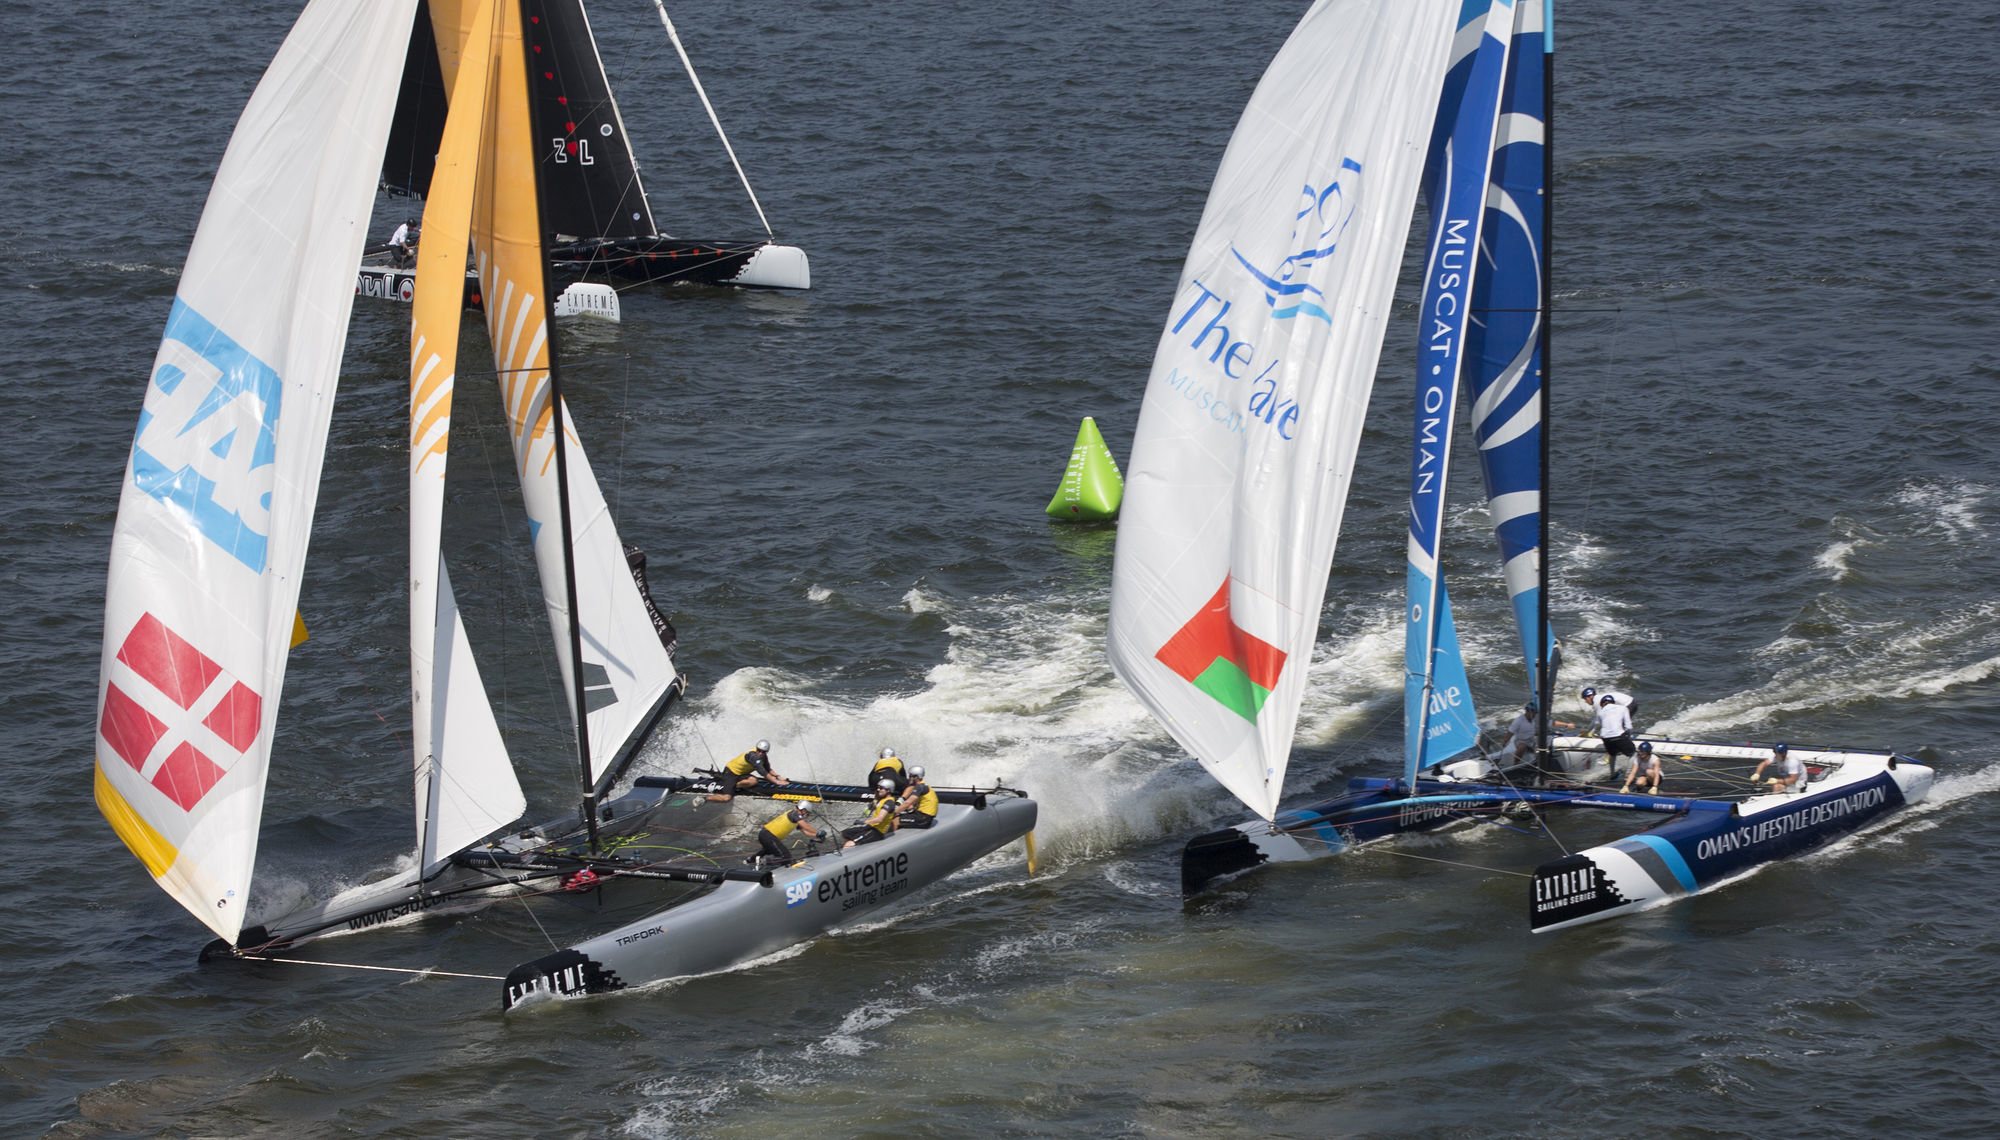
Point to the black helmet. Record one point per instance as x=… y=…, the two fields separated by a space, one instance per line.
x=1607 y=699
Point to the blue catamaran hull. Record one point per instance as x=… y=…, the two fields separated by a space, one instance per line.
x=1373 y=810
x=1718 y=841
x=1705 y=842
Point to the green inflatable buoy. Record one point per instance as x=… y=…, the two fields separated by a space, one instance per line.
x=1091 y=486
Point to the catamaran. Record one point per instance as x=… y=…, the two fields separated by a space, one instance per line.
x=217 y=504
x=596 y=204
x=1247 y=437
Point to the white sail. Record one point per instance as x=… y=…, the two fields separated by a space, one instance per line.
x=466 y=787
x=1248 y=431
x=217 y=504
x=626 y=669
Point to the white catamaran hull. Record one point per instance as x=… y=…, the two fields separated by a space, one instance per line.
x=739 y=921
x=1717 y=840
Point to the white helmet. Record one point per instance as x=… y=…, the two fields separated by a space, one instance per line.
x=886 y=784
x=916 y=771
x=887 y=754
x=763 y=746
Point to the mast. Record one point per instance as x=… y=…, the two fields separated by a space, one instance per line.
x=1544 y=683
x=558 y=434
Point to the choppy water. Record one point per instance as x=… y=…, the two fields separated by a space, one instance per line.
x=1777 y=504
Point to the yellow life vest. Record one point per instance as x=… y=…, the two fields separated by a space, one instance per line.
x=782 y=826
x=744 y=766
x=885 y=811
x=927 y=801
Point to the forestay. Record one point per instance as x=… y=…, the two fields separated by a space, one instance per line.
x=1248 y=430
x=217 y=503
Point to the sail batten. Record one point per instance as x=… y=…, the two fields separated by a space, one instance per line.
x=1252 y=416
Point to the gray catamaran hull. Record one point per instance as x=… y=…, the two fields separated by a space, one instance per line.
x=740 y=921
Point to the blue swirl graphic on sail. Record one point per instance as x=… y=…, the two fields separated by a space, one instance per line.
x=1503 y=347
x=1324 y=217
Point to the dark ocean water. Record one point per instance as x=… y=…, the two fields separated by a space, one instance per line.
x=1777 y=503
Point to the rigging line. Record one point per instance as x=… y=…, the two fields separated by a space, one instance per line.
x=383 y=969
x=675 y=36
x=1451 y=863
x=624 y=438
x=1535 y=812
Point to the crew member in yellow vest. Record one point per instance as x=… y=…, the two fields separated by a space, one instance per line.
x=772 y=836
x=881 y=819
x=919 y=804
x=747 y=771
x=888 y=765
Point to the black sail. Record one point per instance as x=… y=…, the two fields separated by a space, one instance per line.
x=591 y=179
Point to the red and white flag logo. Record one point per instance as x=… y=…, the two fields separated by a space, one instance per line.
x=188 y=722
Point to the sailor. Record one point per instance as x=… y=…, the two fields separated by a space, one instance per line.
x=771 y=837
x=403 y=241
x=747 y=771
x=1522 y=735
x=1645 y=773
x=888 y=764
x=1788 y=775
x=1614 y=727
x=1592 y=697
x=881 y=819
x=918 y=807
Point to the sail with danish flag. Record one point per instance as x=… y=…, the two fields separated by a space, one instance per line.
x=216 y=508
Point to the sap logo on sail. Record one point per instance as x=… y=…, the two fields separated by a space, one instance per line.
x=1804 y=819
x=207 y=439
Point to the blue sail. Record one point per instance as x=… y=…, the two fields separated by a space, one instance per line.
x=1503 y=346
x=1455 y=185
x=1450 y=725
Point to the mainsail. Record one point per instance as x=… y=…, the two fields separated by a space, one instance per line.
x=219 y=492
x=1504 y=343
x=1438 y=718
x=1253 y=413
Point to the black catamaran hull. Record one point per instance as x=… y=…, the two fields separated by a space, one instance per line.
x=754 y=264
x=1718 y=841
x=737 y=921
